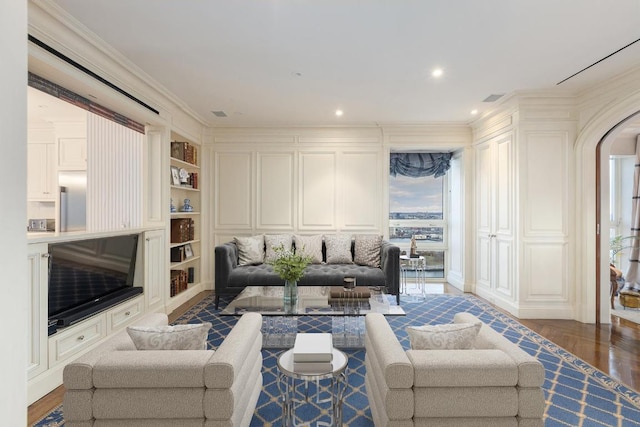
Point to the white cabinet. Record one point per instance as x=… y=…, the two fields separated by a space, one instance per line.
x=76 y=338
x=72 y=153
x=41 y=172
x=155 y=271
x=495 y=218
x=37 y=259
x=124 y=313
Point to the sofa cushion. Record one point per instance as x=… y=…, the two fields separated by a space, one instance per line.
x=250 y=249
x=367 y=249
x=310 y=246
x=454 y=336
x=178 y=337
x=338 y=248
x=272 y=241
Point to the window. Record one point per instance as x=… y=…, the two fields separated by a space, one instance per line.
x=417 y=209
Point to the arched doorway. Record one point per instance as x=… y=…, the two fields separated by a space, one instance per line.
x=592 y=302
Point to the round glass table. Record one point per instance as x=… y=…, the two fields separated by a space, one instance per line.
x=298 y=388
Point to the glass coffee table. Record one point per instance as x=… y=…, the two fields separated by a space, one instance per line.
x=344 y=316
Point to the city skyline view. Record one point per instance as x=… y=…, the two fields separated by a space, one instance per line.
x=419 y=196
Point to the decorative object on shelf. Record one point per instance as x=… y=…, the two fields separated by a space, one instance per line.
x=184 y=176
x=175 y=176
x=188 y=251
x=172 y=207
x=290 y=267
x=187 y=206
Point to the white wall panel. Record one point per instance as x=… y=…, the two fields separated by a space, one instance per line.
x=545 y=272
x=483 y=259
x=504 y=185
x=154 y=182
x=484 y=188
x=546 y=186
x=114 y=175
x=275 y=190
x=504 y=277
x=317 y=191
x=233 y=192
x=360 y=186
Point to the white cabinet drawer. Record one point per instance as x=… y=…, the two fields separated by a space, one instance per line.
x=77 y=338
x=124 y=313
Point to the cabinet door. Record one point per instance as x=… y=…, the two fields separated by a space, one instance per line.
x=37 y=259
x=155 y=270
x=494 y=216
x=41 y=181
x=484 y=215
x=72 y=153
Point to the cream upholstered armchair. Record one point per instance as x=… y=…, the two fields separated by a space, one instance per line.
x=117 y=385
x=494 y=383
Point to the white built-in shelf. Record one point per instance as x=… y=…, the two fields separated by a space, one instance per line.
x=183 y=214
x=183 y=163
x=185 y=262
x=175 y=245
x=182 y=187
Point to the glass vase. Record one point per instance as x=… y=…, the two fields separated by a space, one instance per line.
x=290 y=294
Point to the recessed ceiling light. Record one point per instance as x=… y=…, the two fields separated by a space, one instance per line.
x=474 y=112
x=339 y=113
x=437 y=72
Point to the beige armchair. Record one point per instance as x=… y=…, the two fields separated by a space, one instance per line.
x=494 y=384
x=117 y=385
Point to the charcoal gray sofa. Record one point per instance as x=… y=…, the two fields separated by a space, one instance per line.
x=230 y=278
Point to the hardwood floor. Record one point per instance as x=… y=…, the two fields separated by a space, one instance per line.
x=613 y=349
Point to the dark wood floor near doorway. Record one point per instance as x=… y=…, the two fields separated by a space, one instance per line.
x=613 y=349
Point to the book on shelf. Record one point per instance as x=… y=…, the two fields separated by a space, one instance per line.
x=185 y=152
x=179 y=282
x=312 y=367
x=313 y=347
x=178 y=254
x=182 y=230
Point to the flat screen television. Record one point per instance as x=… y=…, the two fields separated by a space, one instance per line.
x=88 y=276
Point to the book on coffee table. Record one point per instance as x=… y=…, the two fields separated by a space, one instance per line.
x=312 y=367
x=357 y=293
x=313 y=347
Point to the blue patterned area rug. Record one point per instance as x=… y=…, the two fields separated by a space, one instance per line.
x=576 y=393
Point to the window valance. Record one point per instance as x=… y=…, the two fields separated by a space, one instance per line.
x=420 y=164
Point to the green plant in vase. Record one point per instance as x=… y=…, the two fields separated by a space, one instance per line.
x=290 y=267
x=619 y=244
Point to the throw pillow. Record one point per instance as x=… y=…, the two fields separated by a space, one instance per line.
x=454 y=336
x=338 y=248
x=250 y=249
x=367 y=249
x=178 y=337
x=310 y=246
x=272 y=241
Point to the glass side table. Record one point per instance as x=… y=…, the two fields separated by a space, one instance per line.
x=298 y=388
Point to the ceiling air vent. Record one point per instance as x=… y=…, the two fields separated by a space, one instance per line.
x=492 y=98
x=219 y=113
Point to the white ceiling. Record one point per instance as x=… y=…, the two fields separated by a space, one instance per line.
x=279 y=62
x=44 y=108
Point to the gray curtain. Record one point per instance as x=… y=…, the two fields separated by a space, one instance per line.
x=632 y=278
x=419 y=164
